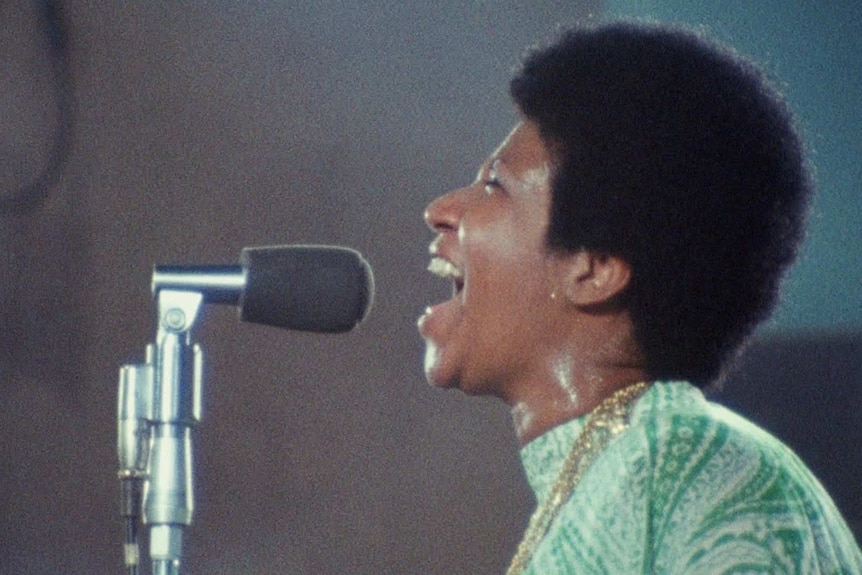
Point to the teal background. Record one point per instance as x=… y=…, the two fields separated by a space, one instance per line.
x=814 y=49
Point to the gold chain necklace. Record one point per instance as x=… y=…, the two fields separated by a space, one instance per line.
x=605 y=422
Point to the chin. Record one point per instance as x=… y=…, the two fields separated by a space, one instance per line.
x=449 y=372
x=437 y=377
x=437 y=373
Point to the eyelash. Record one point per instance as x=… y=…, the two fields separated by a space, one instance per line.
x=490 y=184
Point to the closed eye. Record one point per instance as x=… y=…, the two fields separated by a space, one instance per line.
x=491 y=185
x=491 y=182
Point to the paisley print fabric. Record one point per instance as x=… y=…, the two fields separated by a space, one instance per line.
x=689 y=488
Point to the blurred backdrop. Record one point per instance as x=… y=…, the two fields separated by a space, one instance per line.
x=134 y=134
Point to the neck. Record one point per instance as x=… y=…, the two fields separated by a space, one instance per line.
x=557 y=402
x=597 y=357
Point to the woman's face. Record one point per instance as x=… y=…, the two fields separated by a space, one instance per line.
x=493 y=333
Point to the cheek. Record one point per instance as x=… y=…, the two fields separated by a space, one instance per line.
x=506 y=267
x=506 y=259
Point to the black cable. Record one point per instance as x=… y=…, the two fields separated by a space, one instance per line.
x=30 y=197
x=132 y=551
x=130 y=510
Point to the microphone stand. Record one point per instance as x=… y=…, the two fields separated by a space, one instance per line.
x=159 y=403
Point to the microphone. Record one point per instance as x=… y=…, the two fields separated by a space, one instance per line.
x=323 y=289
x=311 y=288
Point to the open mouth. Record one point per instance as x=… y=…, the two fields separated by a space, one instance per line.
x=439 y=320
x=447 y=270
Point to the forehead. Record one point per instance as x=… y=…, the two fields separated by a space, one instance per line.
x=522 y=148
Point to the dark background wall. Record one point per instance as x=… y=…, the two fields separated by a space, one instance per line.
x=199 y=128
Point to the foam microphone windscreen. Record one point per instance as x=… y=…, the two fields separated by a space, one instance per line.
x=311 y=288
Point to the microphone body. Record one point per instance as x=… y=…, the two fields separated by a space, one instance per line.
x=321 y=289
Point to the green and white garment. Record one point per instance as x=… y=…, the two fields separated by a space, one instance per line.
x=689 y=488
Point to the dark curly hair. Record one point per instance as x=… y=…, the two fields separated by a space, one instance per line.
x=678 y=156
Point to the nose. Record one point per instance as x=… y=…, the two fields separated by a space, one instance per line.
x=444 y=213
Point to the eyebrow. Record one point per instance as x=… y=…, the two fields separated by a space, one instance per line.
x=489 y=165
x=486 y=165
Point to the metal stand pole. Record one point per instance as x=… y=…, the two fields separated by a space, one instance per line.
x=168 y=490
x=159 y=403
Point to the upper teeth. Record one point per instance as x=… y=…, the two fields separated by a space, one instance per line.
x=444 y=269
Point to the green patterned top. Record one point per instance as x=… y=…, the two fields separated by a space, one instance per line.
x=690 y=487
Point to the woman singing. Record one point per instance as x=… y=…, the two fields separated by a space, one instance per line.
x=609 y=261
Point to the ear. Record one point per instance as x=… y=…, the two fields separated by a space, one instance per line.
x=591 y=279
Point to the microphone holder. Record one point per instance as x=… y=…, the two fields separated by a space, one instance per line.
x=159 y=403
